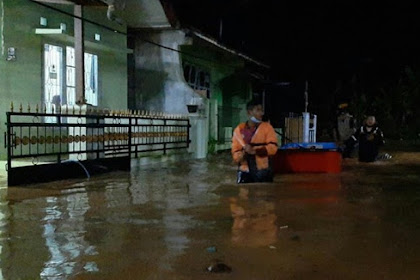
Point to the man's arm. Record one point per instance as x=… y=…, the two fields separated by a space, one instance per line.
x=379 y=137
x=238 y=144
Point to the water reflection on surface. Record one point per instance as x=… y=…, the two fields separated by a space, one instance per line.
x=256 y=208
x=4 y=217
x=157 y=221
x=253 y=220
x=64 y=236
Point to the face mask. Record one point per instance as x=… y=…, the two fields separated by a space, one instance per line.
x=255 y=120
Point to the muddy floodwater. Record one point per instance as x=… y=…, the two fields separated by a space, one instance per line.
x=178 y=220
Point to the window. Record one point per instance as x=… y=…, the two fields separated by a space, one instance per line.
x=71 y=77
x=197 y=78
x=187 y=70
x=207 y=81
x=53 y=76
x=192 y=79
x=91 y=78
x=57 y=70
x=201 y=79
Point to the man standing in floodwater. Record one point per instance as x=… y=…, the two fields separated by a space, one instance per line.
x=370 y=138
x=253 y=143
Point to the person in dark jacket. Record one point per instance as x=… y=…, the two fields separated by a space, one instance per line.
x=369 y=137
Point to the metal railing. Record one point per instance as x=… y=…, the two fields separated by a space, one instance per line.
x=37 y=138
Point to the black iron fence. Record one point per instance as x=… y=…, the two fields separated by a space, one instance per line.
x=39 y=139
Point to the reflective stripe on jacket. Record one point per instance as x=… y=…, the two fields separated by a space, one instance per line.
x=264 y=143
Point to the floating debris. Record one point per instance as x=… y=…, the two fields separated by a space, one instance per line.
x=211 y=249
x=218 y=267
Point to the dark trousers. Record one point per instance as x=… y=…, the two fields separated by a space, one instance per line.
x=254 y=175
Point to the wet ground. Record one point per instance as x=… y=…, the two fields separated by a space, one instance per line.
x=175 y=220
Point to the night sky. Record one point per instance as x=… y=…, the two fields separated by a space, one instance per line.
x=327 y=43
x=299 y=38
x=295 y=37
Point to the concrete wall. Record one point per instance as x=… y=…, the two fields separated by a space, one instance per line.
x=229 y=91
x=144 y=14
x=158 y=79
x=158 y=84
x=21 y=80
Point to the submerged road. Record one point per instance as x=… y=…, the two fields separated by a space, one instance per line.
x=176 y=220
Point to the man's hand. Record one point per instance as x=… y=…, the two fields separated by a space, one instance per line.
x=249 y=150
x=241 y=157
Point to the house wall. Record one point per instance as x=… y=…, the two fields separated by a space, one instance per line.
x=21 y=80
x=157 y=78
x=229 y=93
x=157 y=83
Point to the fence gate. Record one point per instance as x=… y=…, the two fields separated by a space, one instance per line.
x=45 y=147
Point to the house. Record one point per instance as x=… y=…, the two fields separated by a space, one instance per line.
x=131 y=55
x=39 y=48
x=175 y=66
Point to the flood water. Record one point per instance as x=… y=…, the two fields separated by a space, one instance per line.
x=174 y=220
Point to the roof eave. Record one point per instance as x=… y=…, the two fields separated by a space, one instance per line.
x=227 y=49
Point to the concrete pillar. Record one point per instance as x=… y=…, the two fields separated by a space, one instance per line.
x=79 y=50
x=199 y=133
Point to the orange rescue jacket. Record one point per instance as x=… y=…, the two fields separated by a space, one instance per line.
x=264 y=142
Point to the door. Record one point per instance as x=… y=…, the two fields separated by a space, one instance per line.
x=53 y=77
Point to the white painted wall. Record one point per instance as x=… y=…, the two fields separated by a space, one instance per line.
x=160 y=85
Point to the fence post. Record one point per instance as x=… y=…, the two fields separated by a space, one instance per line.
x=129 y=136
x=9 y=145
x=188 y=133
x=164 y=142
x=59 y=129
